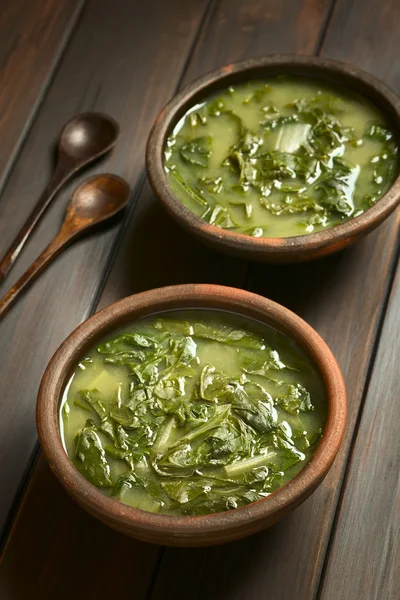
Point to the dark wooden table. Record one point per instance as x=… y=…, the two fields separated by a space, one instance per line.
x=127 y=58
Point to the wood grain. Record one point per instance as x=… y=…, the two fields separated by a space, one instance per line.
x=32 y=37
x=365 y=553
x=118 y=61
x=239 y=30
x=94 y=563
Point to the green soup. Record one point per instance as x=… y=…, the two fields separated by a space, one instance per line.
x=193 y=412
x=281 y=157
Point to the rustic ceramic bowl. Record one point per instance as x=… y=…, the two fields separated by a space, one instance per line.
x=290 y=249
x=186 y=530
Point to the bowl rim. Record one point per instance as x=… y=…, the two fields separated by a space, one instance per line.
x=247 y=304
x=309 y=66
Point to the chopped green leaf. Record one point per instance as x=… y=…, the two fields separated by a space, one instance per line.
x=378 y=131
x=90 y=457
x=198 y=151
x=296 y=399
x=92 y=399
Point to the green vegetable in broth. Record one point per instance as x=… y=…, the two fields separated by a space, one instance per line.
x=193 y=412
x=280 y=158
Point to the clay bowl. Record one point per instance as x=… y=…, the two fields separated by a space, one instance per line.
x=182 y=530
x=291 y=249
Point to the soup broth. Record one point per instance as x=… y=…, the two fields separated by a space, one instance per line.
x=281 y=157
x=193 y=412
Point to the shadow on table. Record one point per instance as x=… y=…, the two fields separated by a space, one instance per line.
x=57 y=550
x=156 y=251
x=234 y=571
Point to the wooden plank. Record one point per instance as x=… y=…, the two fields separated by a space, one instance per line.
x=240 y=30
x=365 y=553
x=32 y=37
x=95 y=563
x=341 y=297
x=364 y=556
x=120 y=62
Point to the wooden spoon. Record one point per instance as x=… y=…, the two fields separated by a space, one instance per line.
x=83 y=139
x=99 y=198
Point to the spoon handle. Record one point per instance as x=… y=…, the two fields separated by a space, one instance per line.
x=55 y=246
x=61 y=174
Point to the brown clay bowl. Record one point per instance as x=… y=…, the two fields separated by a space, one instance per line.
x=291 y=249
x=182 y=530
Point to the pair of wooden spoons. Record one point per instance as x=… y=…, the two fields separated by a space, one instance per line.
x=83 y=139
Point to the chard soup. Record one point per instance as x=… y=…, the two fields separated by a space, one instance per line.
x=193 y=412
x=282 y=157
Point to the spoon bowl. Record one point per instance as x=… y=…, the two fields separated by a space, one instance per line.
x=87 y=135
x=99 y=198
